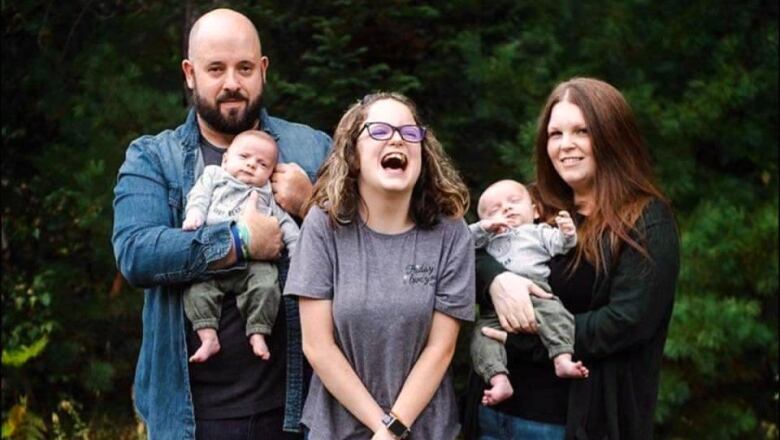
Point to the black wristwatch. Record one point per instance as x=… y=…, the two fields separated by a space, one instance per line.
x=395 y=426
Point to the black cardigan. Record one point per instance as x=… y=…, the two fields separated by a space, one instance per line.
x=620 y=339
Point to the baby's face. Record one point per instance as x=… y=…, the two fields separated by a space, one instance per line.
x=508 y=202
x=250 y=160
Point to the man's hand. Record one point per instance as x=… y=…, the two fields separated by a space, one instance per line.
x=265 y=243
x=510 y=294
x=291 y=187
x=565 y=223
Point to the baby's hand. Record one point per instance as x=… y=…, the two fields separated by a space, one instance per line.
x=192 y=222
x=565 y=223
x=494 y=226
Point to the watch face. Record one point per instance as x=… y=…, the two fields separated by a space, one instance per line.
x=397 y=428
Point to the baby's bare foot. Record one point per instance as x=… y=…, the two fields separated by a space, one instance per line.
x=209 y=345
x=500 y=390
x=567 y=369
x=259 y=346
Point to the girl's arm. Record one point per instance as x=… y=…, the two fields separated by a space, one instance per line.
x=454 y=301
x=311 y=280
x=333 y=369
x=428 y=372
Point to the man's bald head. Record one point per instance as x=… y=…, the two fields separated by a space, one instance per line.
x=221 y=24
x=225 y=69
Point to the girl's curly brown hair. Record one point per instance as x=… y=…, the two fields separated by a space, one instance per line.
x=439 y=191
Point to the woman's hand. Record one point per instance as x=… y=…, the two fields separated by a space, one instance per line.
x=510 y=294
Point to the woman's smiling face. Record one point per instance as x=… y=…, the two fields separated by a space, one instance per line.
x=570 y=147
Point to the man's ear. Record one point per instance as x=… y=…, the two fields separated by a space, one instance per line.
x=189 y=72
x=264 y=66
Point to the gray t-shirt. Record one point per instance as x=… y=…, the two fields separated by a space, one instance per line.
x=384 y=289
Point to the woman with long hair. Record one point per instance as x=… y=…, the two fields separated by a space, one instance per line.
x=384 y=272
x=619 y=281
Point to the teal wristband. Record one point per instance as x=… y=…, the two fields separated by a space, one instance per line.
x=243 y=234
x=237 y=243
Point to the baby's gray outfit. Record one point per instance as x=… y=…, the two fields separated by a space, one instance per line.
x=221 y=197
x=525 y=250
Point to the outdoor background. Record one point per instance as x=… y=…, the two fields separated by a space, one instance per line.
x=81 y=79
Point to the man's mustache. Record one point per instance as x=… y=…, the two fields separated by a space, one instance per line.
x=234 y=95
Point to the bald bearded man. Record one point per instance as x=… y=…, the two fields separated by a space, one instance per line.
x=235 y=394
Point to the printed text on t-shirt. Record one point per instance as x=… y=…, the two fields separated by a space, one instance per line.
x=415 y=274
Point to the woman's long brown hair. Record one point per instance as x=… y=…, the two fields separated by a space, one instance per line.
x=623 y=184
x=439 y=191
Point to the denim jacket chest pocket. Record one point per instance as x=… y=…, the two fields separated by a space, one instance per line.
x=176 y=203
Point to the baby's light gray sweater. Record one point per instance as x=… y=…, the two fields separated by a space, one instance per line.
x=221 y=197
x=525 y=250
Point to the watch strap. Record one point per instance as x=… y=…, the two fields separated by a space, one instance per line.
x=395 y=426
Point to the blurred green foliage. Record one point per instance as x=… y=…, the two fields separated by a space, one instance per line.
x=80 y=82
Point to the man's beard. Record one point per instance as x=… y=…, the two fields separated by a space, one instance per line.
x=236 y=121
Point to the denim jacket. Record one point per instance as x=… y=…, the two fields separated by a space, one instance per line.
x=153 y=252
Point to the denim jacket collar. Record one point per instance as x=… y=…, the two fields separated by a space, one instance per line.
x=267 y=125
x=190 y=132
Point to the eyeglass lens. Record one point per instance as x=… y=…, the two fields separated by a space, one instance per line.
x=382 y=131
